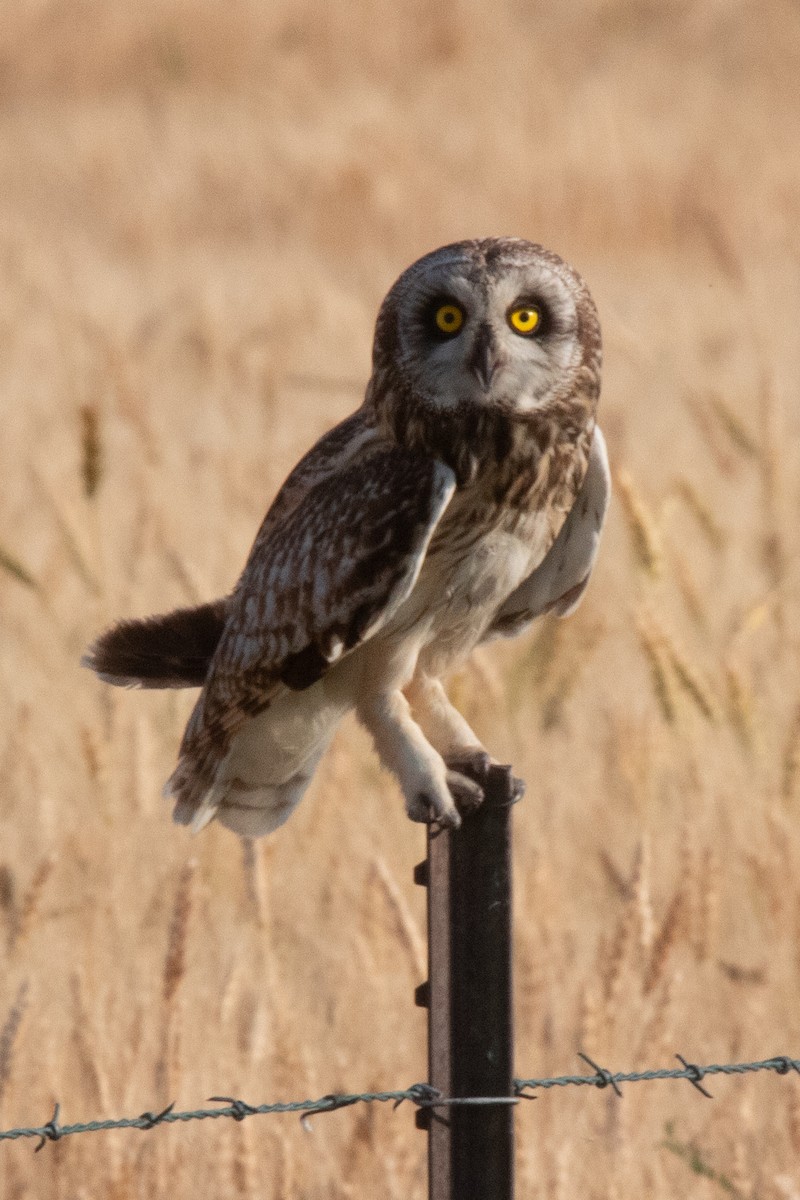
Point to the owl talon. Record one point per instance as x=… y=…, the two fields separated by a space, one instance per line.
x=477 y=765
x=431 y=810
x=467 y=792
x=511 y=782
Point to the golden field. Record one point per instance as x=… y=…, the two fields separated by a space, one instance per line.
x=201 y=208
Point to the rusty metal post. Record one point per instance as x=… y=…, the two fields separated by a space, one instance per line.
x=469 y=999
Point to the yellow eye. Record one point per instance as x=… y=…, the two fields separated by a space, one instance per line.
x=525 y=319
x=449 y=318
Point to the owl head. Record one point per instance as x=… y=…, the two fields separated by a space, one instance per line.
x=498 y=323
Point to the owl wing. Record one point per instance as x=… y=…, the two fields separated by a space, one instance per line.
x=175 y=649
x=319 y=581
x=558 y=583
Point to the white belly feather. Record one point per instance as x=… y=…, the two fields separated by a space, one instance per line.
x=463 y=596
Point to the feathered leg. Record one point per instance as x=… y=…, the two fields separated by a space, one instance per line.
x=441 y=722
x=430 y=788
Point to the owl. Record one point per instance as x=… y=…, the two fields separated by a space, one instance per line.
x=461 y=501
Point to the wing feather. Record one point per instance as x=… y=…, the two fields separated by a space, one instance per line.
x=320 y=580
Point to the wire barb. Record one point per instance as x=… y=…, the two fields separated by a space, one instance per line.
x=52 y=1131
x=784 y=1065
x=604 y=1077
x=422 y=1094
x=239 y=1109
x=694 y=1075
x=150 y=1120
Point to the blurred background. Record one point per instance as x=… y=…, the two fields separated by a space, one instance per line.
x=202 y=206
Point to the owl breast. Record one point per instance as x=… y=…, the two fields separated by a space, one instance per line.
x=461 y=586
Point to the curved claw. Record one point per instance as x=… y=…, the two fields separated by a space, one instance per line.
x=477 y=765
x=429 y=810
x=514 y=786
x=467 y=793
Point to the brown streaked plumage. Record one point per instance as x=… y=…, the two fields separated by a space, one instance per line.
x=463 y=499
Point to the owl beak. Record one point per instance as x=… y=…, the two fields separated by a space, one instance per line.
x=484 y=359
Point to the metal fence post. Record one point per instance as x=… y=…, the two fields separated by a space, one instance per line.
x=469 y=999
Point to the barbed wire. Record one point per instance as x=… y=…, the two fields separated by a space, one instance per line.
x=420 y=1094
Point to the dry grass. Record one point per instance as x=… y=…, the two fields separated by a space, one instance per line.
x=201 y=207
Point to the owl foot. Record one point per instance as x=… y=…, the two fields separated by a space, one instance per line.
x=478 y=766
x=469 y=773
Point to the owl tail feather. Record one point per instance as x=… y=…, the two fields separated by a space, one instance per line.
x=169 y=651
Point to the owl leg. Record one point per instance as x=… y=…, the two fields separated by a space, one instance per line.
x=441 y=722
x=452 y=736
x=429 y=788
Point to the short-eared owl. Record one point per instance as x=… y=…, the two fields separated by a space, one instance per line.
x=463 y=499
